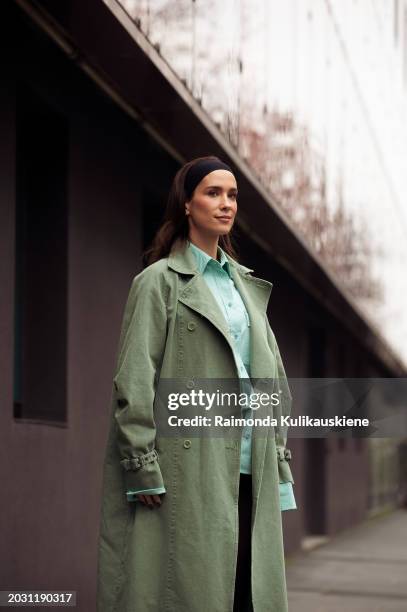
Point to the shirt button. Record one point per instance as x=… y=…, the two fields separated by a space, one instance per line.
x=236 y=336
x=230 y=304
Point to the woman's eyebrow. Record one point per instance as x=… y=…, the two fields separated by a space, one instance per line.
x=220 y=187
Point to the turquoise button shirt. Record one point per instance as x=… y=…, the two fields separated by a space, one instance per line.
x=219 y=279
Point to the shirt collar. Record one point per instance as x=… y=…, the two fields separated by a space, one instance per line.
x=202 y=258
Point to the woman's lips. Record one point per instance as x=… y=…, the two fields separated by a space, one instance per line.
x=224 y=218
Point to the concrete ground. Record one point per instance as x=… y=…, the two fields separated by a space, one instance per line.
x=364 y=569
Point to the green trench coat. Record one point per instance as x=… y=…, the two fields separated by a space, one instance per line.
x=181 y=557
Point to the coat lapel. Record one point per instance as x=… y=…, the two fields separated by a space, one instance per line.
x=195 y=293
x=255 y=293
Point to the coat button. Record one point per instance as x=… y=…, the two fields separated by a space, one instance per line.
x=191 y=326
x=187 y=443
x=190 y=384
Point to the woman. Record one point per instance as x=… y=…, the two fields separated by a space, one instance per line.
x=193 y=524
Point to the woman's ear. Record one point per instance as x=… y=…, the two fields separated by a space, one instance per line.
x=187 y=208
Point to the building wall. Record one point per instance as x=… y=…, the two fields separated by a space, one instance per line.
x=51 y=471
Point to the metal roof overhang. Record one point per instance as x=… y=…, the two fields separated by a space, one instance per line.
x=101 y=37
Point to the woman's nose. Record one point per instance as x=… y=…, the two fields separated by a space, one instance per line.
x=225 y=201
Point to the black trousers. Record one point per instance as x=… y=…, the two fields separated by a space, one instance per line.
x=243 y=595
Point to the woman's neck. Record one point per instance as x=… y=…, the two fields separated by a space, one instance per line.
x=209 y=245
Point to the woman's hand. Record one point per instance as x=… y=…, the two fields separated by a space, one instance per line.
x=152 y=501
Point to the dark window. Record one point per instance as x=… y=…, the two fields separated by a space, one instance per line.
x=40 y=343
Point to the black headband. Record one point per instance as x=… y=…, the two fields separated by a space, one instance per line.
x=197 y=172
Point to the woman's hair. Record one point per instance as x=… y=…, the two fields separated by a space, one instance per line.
x=175 y=224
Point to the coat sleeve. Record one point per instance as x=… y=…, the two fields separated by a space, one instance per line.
x=283 y=409
x=141 y=348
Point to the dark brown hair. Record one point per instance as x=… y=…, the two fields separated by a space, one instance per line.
x=175 y=224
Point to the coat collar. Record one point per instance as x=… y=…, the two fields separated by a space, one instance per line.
x=182 y=260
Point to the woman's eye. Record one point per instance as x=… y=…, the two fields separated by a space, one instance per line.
x=232 y=195
x=214 y=193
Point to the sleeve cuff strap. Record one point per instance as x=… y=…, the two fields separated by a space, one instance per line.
x=135 y=463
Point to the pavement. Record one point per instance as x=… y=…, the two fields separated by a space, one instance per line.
x=363 y=569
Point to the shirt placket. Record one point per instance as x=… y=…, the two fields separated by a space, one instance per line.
x=238 y=324
x=240 y=337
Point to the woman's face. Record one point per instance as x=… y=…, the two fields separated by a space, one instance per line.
x=213 y=206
